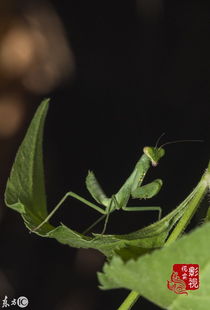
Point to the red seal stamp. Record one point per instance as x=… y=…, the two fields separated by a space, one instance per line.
x=184 y=277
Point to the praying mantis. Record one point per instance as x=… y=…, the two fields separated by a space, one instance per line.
x=132 y=188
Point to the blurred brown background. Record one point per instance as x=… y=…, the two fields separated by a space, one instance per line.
x=119 y=75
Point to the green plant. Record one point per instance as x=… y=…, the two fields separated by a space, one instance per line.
x=130 y=262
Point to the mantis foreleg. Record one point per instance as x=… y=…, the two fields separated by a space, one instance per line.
x=147 y=191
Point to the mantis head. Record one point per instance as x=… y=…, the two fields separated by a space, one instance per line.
x=154 y=154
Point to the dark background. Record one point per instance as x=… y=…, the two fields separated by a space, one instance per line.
x=140 y=70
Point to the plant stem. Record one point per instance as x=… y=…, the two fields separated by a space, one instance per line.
x=201 y=190
x=129 y=301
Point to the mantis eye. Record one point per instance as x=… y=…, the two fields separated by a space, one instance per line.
x=161 y=152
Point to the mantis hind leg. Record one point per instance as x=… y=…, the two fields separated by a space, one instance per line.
x=109 y=209
x=71 y=194
x=106 y=216
x=94 y=224
x=113 y=200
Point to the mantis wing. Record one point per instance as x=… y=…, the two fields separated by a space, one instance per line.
x=96 y=190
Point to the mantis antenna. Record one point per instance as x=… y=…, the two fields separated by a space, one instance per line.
x=172 y=142
x=179 y=141
x=158 y=140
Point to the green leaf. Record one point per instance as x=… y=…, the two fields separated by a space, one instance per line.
x=25 y=193
x=149 y=274
x=207 y=219
x=108 y=244
x=25 y=187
